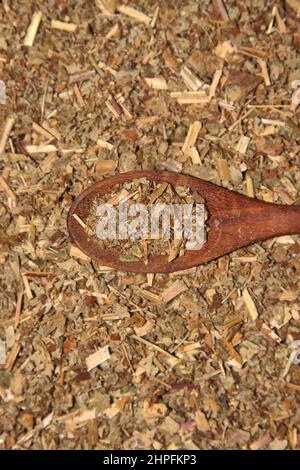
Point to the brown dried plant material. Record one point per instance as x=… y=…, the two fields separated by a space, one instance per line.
x=97 y=358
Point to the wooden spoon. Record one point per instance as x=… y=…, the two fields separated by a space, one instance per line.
x=234 y=220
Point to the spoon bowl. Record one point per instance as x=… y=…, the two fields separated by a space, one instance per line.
x=234 y=221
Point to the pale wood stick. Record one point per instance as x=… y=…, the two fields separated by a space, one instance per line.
x=7 y=130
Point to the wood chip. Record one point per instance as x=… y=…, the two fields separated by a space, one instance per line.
x=62 y=26
x=78 y=95
x=108 y=7
x=243 y=144
x=194 y=154
x=279 y=20
x=190 y=79
x=172 y=358
x=9 y=124
x=250 y=186
x=77 y=253
x=135 y=14
x=154 y=410
x=264 y=71
x=251 y=307
x=103 y=144
x=223 y=169
x=81 y=76
x=27 y=287
x=158 y=192
x=177 y=288
x=192 y=135
x=2 y=352
x=219 y=4
x=33 y=29
x=40 y=130
x=18 y=307
x=157 y=83
x=190 y=97
x=97 y=358
x=12 y=356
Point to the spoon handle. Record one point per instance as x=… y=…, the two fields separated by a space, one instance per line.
x=292 y=219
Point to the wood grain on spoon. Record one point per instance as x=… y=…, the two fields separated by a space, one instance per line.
x=234 y=221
